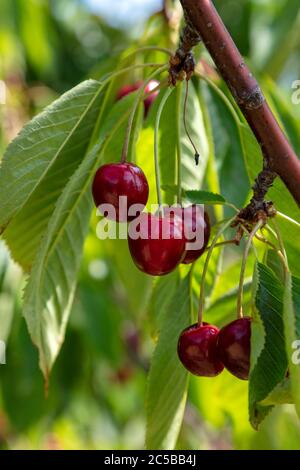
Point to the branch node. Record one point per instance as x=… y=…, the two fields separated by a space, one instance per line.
x=250 y=100
x=258 y=208
x=182 y=63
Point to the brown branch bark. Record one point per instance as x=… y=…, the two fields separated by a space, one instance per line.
x=203 y=20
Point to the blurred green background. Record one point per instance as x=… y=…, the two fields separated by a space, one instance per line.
x=97 y=390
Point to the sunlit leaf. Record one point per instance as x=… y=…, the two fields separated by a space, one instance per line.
x=167 y=381
x=268 y=356
x=38 y=164
x=51 y=286
x=291 y=315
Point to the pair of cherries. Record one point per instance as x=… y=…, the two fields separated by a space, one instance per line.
x=204 y=350
x=153 y=252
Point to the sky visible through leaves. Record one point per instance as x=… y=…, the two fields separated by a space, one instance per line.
x=120 y=13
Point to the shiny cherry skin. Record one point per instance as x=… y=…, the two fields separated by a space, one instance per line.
x=127 y=89
x=158 y=246
x=120 y=179
x=198 y=352
x=234 y=347
x=194 y=221
x=151 y=98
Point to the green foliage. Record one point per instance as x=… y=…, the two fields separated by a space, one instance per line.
x=204 y=197
x=38 y=164
x=291 y=312
x=167 y=381
x=268 y=356
x=45 y=215
x=51 y=287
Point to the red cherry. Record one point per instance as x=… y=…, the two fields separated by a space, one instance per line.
x=158 y=247
x=197 y=350
x=120 y=179
x=194 y=222
x=149 y=100
x=127 y=89
x=234 y=347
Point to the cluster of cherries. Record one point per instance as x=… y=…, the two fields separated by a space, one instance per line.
x=202 y=348
x=152 y=252
x=205 y=350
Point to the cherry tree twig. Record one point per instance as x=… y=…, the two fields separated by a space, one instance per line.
x=204 y=23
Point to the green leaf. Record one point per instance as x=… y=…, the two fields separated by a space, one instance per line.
x=279 y=194
x=213 y=272
x=287 y=111
x=223 y=310
x=212 y=175
x=192 y=175
x=280 y=395
x=195 y=197
x=38 y=164
x=171 y=190
x=51 y=286
x=268 y=356
x=163 y=291
x=167 y=381
x=292 y=334
x=284 y=39
x=167 y=140
x=273 y=261
x=234 y=183
x=204 y=197
x=171 y=130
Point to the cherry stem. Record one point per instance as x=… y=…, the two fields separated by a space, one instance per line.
x=179 y=150
x=243 y=268
x=191 y=297
x=275 y=248
x=248 y=233
x=226 y=242
x=281 y=247
x=156 y=145
x=117 y=73
x=197 y=155
x=289 y=219
x=139 y=97
x=205 y=268
x=165 y=50
x=281 y=244
x=223 y=97
x=108 y=80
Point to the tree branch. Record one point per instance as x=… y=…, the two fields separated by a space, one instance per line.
x=203 y=20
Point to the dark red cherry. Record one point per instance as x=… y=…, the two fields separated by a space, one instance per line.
x=197 y=350
x=127 y=89
x=149 y=100
x=196 y=229
x=156 y=243
x=120 y=179
x=195 y=221
x=234 y=347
